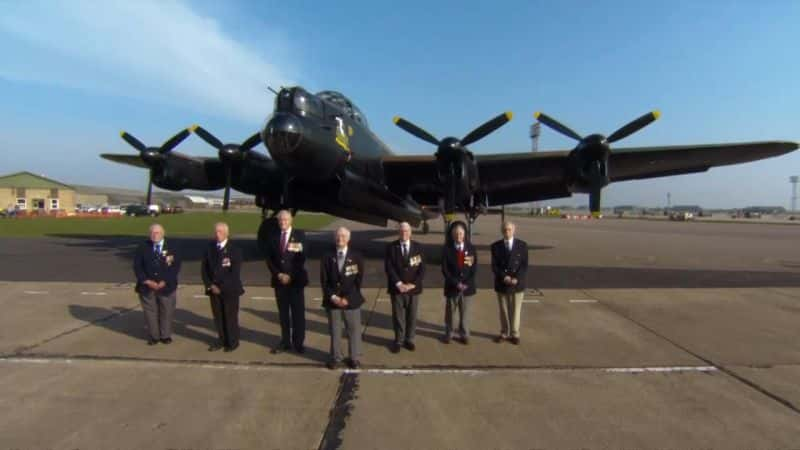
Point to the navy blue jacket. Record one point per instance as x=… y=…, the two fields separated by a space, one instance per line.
x=513 y=264
x=405 y=270
x=222 y=268
x=149 y=266
x=454 y=274
x=292 y=262
x=345 y=283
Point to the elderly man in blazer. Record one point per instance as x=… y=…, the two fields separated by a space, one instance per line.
x=510 y=267
x=341 y=273
x=405 y=269
x=156 y=267
x=286 y=259
x=459 y=266
x=221 y=273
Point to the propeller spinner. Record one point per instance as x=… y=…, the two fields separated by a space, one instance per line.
x=228 y=154
x=153 y=156
x=593 y=151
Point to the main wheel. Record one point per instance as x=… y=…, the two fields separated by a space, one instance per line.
x=425 y=228
x=267 y=227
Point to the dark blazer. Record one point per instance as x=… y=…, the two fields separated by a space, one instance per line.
x=406 y=270
x=513 y=264
x=293 y=262
x=149 y=266
x=346 y=283
x=223 y=268
x=453 y=274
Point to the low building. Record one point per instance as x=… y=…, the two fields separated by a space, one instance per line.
x=26 y=191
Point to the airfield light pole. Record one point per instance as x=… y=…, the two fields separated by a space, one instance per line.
x=536 y=130
x=793 y=179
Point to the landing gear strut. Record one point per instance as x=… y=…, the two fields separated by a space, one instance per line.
x=425 y=227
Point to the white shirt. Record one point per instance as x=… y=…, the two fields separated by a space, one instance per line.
x=405 y=246
x=221 y=245
x=510 y=243
x=460 y=246
x=158 y=245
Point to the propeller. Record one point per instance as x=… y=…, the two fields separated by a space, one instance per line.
x=228 y=154
x=456 y=165
x=592 y=151
x=153 y=156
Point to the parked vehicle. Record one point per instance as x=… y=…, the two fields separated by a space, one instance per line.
x=140 y=210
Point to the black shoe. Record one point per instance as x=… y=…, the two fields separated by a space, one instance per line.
x=166 y=341
x=465 y=340
x=300 y=349
x=515 y=340
x=231 y=348
x=214 y=347
x=394 y=348
x=410 y=346
x=499 y=339
x=446 y=339
x=152 y=341
x=354 y=364
x=333 y=365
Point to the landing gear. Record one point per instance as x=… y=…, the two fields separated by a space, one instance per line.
x=425 y=227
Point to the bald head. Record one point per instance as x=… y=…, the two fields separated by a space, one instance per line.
x=156 y=232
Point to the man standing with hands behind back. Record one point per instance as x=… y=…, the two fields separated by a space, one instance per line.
x=221 y=267
x=156 y=268
x=405 y=270
x=286 y=258
x=510 y=267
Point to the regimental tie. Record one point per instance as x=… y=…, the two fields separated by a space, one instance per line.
x=157 y=249
x=340 y=260
x=405 y=250
x=460 y=250
x=283 y=242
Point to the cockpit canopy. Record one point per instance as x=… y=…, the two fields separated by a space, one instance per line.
x=344 y=104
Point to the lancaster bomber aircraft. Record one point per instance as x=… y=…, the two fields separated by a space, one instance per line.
x=324 y=157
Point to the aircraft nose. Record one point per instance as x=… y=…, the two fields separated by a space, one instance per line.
x=282 y=134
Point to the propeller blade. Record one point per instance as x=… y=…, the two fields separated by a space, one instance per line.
x=135 y=143
x=149 y=187
x=251 y=142
x=175 y=140
x=557 y=126
x=415 y=130
x=208 y=137
x=488 y=127
x=634 y=126
x=227 y=198
x=594 y=201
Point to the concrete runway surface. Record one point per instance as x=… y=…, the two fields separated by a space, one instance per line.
x=635 y=334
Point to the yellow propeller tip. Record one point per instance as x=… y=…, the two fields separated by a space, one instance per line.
x=122 y=133
x=193 y=127
x=537 y=114
x=656 y=114
x=509 y=115
x=396 y=119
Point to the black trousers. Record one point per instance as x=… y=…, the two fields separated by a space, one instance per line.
x=226 y=318
x=292 y=312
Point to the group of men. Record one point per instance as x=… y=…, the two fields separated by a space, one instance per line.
x=157 y=266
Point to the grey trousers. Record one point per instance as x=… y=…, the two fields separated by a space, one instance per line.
x=158 y=313
x=461 y=303
x=404 y=317
x=510 y=310
x=352 y=323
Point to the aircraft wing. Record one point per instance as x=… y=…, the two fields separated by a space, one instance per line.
x=533 y=176
x=131 y=160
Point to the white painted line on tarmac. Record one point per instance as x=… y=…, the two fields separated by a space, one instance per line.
x=36 y=292
x=531 y=301
x=199 y=296
x=417 y=371
x=317 y=299
x=583 y=301
x=663 y=369
x=262 y=298
x=93 y=293
x=382 y=300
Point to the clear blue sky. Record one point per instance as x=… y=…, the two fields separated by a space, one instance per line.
x=75 y=73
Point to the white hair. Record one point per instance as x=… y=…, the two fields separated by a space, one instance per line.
x=404 y=224
x=509 y=223
x=284 y=212
x=222 y=225
x=154 y=226
x=343 y=230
